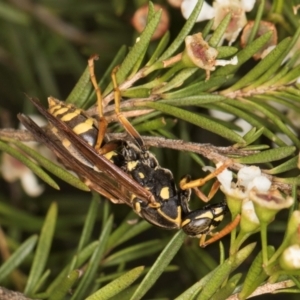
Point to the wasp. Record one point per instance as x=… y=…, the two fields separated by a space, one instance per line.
x=122 y=171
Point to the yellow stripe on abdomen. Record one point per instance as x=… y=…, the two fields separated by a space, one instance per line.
x=84 y=127
x=69 y=116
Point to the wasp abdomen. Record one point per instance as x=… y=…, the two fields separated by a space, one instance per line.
x=81 y=124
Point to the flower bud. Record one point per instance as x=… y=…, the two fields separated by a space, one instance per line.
x=290 y=258
x=263 y=28
x=139 y=21
x=249 y=220
x=199 y=54
x=292 y=235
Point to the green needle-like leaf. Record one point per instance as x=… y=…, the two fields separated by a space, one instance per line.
x=17 y=257
x=278 y=122
x=243 y=111
x=219 y=31
x=196 y=120
x=177 y=80
x=184 y=32
x=197 y=88
x=132 y=253
x=117 y=286
x=295 y=181
x=89 y=222
x=81 y=91
x=63 y=289
x=267 y=156
x=264 y=66
x=240 y=257
x=222 y=272
x=139 y=48
x=228 y=289
x=256 y=275
x=159 y=266
x=244 y=55
x=126 y=231
x=198 y=100
x=286 y=166
x=226 y=51
x=80 y=259
x=159 y=49
x=255 y=27
x=43 y=249
x=91 y=270
x=252 y=135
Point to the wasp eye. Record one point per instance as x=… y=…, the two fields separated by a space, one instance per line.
x=153 y=163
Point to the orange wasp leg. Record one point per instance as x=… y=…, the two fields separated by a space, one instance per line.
x=212 y=192
x=194 y=184
x=102 y=126
x=202 y=181
x=218 y=235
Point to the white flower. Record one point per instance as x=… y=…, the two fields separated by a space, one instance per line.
x=244 y=125
x=221 y=115
x=225 y=178
x=206 y=13
x=247 y=174
x=248 y=178
x=218 y=11
x=260 y=183
x=248 y=4
x=13 y=170
x=270 y=200
x=248 y=209
x=224 y=62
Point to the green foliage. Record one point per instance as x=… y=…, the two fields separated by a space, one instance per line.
x=64 y=241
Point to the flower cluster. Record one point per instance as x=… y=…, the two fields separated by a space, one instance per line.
x=218 y=11
x=257 y=201
x=252 y=195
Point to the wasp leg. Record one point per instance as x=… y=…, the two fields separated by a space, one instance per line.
x=185 y=180
x=102 y=126
x=109 y=147
x=200 y=194
x=122 y=119
x=185 y=184
x=212 y=192
x=218 y=235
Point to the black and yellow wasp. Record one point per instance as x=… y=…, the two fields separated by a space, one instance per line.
x=122 y=171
